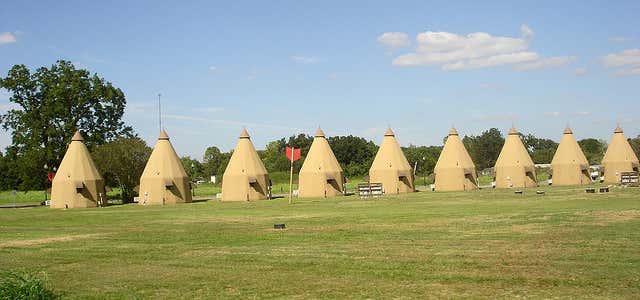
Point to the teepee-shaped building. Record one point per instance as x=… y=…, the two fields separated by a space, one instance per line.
x=245 y=177
x=455 y=170
x=569 y=165
x=514 y=167
x=618 y=158
x=77 y=182
x=391 y=168
x=164 y=180
x=321 y=174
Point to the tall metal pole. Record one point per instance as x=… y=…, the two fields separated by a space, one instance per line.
x=159 y=113
x=291 y=178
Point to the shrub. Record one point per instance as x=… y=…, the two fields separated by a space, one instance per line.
x=23 y=285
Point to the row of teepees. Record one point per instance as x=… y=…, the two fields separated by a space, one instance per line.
x=164 y=180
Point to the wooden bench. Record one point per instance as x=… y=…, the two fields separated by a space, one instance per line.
x=366 y=190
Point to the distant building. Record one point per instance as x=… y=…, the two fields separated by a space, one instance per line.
x=77 y=182
x=391 y=168
x=245 y=177
x=321 y=175
x=455 y=170
x=514 y=167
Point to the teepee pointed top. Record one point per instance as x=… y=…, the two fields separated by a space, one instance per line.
x=389 y=132
x=513 y=131
x=244 y=134
x=453 y=131
x=163 y=135
x=618 y=129
x=319 y=132
x=568 y=130
x=77 y=137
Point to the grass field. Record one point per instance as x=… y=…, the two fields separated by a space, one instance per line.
x=484 y=244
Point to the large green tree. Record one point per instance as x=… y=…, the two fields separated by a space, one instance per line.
x=485 y=148
x=52 y=103
x=274 y=155
x=593 y=149
x=355 y=154
x=540 y=149
x=193 y=167
x=425 y=156
x=635 y=145
x=121 y=163
x=213 y=162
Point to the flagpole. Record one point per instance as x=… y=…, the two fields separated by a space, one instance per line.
x=291 y=177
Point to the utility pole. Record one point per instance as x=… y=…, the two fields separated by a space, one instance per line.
x=159 y=112
x=291 y=180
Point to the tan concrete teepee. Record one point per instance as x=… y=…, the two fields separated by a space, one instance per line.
x=391 y=168
x=164 y=180
x=78 y=182
x=455 y=170
x=569 y=165
x=514 y=167
x=245 y=177
x=618 y=158
x=321 y=174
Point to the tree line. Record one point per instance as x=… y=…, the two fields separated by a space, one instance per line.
x=52 y=103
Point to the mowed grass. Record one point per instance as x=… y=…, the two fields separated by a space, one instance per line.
x=484 y=244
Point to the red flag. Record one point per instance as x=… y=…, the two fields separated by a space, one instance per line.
x=293 y=152
x=50 y=176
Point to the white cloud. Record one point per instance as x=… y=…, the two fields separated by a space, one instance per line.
x=7 y=38
x=543 y=63
x=304 y=59
x=627 y=62
x=552 y=114
x=497 y=117
x=634 y=71
x=620 y=39
x=452 y=52
x=580 y=71
x=626 y=57
x=583 y=113
x=210 y=109
x=394 y=39
x=213 y=68
x=526 y=32
x=492 y=61
x=223 y=123
x=492 y=86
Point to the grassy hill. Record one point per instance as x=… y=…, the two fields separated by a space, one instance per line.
x=488 y=244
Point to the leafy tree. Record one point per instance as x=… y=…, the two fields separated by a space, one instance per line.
x=541 y=150
x=593 y=149
x=635 y=145
x=355 y=154
x=485 y=148
x=212 y=162
x=193 y=167
x=223 y=162
x=425 y=156
x=274 y=156
x=122 y=162
x=52 y=104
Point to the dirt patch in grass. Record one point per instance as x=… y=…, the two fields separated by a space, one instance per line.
x=607 y=217
x=64 y=238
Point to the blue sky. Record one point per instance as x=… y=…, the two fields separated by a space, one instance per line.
x=285 y=67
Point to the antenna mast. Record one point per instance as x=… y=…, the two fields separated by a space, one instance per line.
x=159 y=112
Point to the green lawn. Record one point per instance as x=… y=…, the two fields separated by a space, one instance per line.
x=484 y=244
